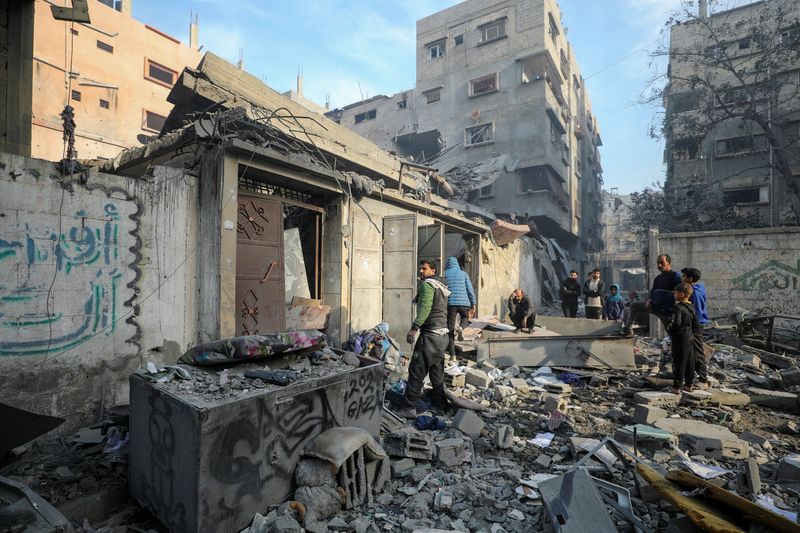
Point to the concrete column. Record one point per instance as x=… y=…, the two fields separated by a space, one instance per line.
x=229 y=181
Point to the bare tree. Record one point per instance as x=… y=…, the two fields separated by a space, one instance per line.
x=732 y=101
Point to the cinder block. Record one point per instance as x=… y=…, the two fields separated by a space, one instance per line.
x=409 y=444
x=468 y=423
x=478 y=378
x=554 y=402
x=455 y=381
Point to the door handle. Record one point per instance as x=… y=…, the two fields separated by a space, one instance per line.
x=272 y=265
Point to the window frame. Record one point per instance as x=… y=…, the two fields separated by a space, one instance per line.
x=369 y=114
x=148 y=62
x=436 y=91
x=468 y=135
x=440 y=46
x=106 y=102
x=726 y=191
x=73 y=93
x=495 y=76
x=500 y=24
x=105 y=47
x=145 y=127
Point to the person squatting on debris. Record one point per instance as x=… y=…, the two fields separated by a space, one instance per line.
x=614 y=307
x=661 y=299
x=699 y=303
x=461 y=302
x=427 y=358
x=521 y=311
x=593 y=290
x=570 y=291
x=681 y=327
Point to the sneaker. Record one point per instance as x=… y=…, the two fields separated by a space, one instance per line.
x=406 y=412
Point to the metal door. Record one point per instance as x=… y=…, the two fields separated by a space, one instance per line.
x=399 y=275
x=259 y=266
x=365 y=288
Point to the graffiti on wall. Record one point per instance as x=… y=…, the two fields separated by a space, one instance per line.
x=65 y=279
x=778 y=282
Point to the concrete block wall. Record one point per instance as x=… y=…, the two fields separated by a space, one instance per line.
x=753 y=269
x=96 y=274
x=505 y=268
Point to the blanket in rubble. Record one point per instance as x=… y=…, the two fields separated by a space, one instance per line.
x=252 y=347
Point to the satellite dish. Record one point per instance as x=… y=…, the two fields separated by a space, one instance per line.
x=476 y=114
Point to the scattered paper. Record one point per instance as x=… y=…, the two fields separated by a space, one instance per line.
x=706 y=471
x=542 y=440
x=151 y=368
x=527 y=492
x=767 y=503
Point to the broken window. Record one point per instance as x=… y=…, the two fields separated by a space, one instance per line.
x=402 y=104
x=484 y=85
x=534 y=68
x=552 y=27
x=684 y=149
x=555 y=135
x=437 y=49
x=493 y=31
x=486 y=191
x=480 y=134
x=790 y=35
x=741 y=145
x=750 y=195
x=153 y=121
x=564 y=64
x=433 y=96
x=159 y=74
x=366 y=115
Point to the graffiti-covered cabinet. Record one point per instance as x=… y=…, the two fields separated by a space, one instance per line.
x=259 y=266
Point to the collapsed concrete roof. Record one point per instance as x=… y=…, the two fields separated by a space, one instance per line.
x=471 y=176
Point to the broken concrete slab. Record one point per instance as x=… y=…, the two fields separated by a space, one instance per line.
x=789 y=468
x=647 y=414
x=726 y=396
x=562 y=350
x=706 y=439
x=753 y=476
x=504 y=437
x=403 y=467
x=657 y=399
x=520 y=385
x=468 y=423
x=791 y=376
x=753 y=438
x=451 y=452
x=787 y=401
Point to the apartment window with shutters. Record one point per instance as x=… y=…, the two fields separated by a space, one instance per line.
x=159 y=74
x=480 y=134
x=484 y=85
x=153 y=121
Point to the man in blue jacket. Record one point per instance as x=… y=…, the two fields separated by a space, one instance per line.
x=461 y=302
x=662 y=299
x=700 y=304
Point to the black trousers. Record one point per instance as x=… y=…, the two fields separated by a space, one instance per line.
x=683 y=352
x=427 y=360
x=594 y=312
x=521 y=322
x=569 y=308
x=452 y=312
x=700 y=360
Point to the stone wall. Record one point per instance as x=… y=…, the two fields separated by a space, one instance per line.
x=509 y=267
x=96 y=274
x=753 y=269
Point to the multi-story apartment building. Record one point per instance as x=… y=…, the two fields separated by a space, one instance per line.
x=115 y=71
x=733 y=109
x=501 y=109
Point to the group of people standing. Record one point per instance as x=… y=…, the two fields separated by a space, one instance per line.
x=677 y=299
x=597 y=303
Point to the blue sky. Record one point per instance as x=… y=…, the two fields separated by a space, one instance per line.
x=349 y=50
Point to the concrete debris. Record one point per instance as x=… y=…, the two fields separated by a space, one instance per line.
x=788 y=401
x=468 y=423
x=705 y=439
x=645 y=414
x=478 y=378
x=409 y=443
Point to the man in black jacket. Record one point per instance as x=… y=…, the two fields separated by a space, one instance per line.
x=521 y=310
x=593 y=290
x=428 y=356
x=570 y=291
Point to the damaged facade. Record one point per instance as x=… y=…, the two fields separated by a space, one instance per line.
x=500 y=107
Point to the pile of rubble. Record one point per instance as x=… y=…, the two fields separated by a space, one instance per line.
x=552 y=446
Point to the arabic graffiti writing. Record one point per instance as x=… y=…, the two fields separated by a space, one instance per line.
x=64 y=276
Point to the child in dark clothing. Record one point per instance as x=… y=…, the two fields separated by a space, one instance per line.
x=681 y=328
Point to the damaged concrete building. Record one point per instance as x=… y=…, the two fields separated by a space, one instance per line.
x=732 y=107
x=501 y=108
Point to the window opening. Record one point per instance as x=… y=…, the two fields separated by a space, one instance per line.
x=433 y=96
x=436 y=50
x=160 y=74
x=493 y=31
x=486 y=84
x=366 y=115
x=76 y=95
x=104 y=104
x=105 y=47
x=153 y=121
x=479 y=134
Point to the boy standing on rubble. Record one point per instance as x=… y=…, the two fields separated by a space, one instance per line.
x=698 y=299
x=681 y=326
x=428 y=356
